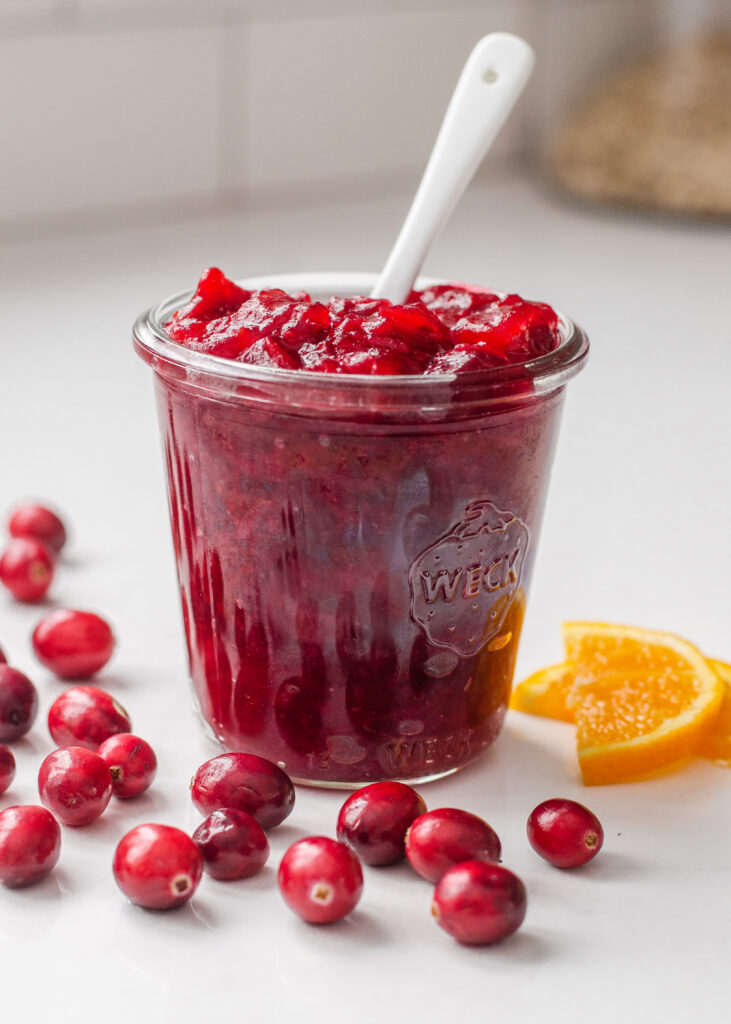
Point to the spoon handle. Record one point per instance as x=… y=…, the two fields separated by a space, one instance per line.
x=493 y=78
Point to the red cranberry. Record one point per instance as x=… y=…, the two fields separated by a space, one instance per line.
x=374 y=820
x=3 y=659
x=157 y=867
x=320 y=879
x=73 y=644
x=247 y=783
x=38 y=523
x=75 y=784
x=26 y=569
x=232 y=844
x=440 y=839
x=30 y=844
x=131 y=762
x=477 y=902
x=565 y=833
x=7 y=768
x=18 y=704
x=85 y=716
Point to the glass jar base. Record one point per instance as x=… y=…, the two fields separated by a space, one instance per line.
x=422 y=780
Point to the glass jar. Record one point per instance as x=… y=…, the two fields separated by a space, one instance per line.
x=354 y=552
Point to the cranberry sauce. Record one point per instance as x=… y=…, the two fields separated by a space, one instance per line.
x=442 y=329
x=353 y=572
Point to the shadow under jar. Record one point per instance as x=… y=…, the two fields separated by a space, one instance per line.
x=354 y=552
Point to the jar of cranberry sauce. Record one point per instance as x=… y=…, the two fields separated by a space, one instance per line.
x=354 y=551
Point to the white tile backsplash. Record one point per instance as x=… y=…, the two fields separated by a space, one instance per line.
x=124 y=105
x=335 y=100
x=107 y=120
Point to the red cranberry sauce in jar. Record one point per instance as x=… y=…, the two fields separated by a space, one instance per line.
x=441 y=329
x=353 y=589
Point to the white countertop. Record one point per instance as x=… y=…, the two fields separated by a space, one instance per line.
x=636 y=531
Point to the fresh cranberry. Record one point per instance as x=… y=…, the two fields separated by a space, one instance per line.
x=131 y=762
x=75 y=784
x=26 y=568
x=320 y=879
x=85 y=716
x=38 y=523
x=440 y=839
x=7 y=768
x=157 y=866
x=3 y=659
x=247 y=783
x=73 y=644
x=565 y=833
x=374 y=820
x=30 y=844
x=232 y=844
x=477 y=902
x=18 y=704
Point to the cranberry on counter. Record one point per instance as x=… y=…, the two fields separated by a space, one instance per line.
x=440 y=839
x=7 y=768
x=131 y=762
x=26 y=569
x=73 y=644
x=565 y=833
x=320 y=879
x=38 y=523
x=478 y=903
x=74 y=783
x=158 y=867
x=232 y=844
x=18 y=704
x=374 y=821
x=30 y=845
x=85 y=716
x=247 y=783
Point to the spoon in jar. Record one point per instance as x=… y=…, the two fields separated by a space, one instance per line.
x=492 y=79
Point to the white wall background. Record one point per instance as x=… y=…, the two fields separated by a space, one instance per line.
x=119 y=110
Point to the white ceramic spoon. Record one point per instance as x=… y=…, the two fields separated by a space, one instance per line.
x=493 y=78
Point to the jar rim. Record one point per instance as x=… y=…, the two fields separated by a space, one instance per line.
x=547 y=373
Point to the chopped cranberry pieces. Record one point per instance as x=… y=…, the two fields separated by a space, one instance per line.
x=232 y=844
x=158 y=867
x=441 y=329
x=131 y=762
x=38 y=523
x=30 y=845
x=320 y=879
x=247 y=783
x=73 y=644
x=18 y=704
x=374 y=820
x=75 y=784
x=26 y=568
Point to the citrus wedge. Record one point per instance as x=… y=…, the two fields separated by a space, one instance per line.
x=716 y=743
x=642 y=700
x=545 y=693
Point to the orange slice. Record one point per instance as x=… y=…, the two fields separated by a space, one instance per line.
x=642 y=700
x=545 y=693
x=716 y=743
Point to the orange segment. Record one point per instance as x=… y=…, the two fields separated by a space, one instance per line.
x=545 y=693
x=716 y=743
x=642 y=700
